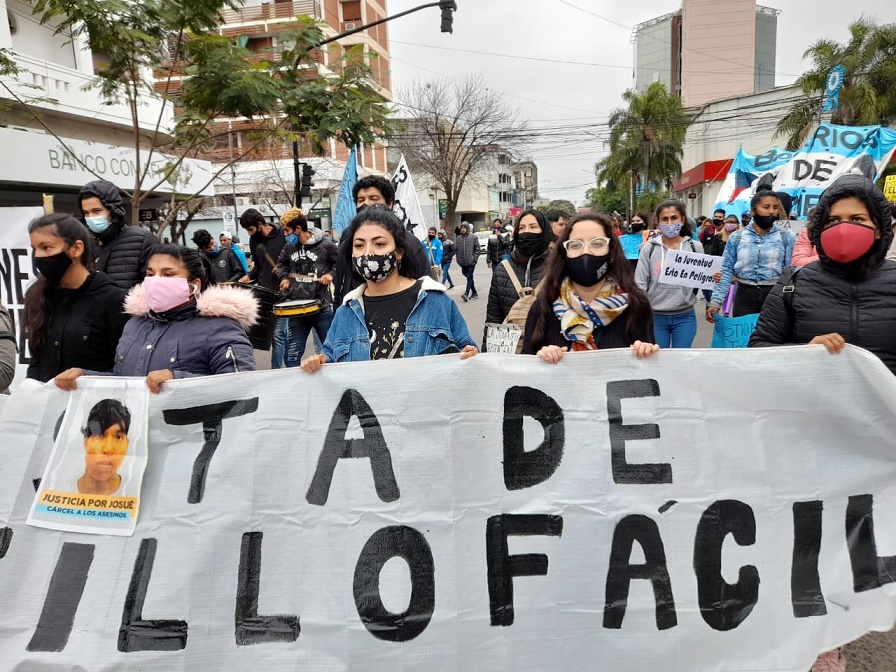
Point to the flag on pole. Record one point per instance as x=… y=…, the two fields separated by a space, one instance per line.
x=407 y=204
x=345 y=204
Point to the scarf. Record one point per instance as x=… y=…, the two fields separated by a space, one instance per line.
x=579 y=320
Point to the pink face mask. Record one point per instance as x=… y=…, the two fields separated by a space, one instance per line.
x=730 y=226
x=163 y=294
x=846 y=242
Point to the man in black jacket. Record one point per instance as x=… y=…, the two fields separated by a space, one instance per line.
x=498 y=245
x=221 y=263
x=123 y=249
x=266 y=242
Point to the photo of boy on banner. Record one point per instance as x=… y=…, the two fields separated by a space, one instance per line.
x=93 y=477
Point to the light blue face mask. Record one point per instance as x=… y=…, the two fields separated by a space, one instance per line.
x=99 y=225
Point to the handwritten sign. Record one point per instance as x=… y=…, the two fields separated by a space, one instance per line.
x=503 y=338
x=689 y=269
x=733 y=332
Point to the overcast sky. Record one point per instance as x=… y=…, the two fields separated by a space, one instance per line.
x=592 y=37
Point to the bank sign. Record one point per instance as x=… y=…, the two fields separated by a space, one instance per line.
x=42 y=159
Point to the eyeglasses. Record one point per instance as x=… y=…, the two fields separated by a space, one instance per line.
x=595 y=246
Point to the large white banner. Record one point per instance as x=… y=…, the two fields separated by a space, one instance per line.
x=694 y=511
x=407 y=203
x=16 y=270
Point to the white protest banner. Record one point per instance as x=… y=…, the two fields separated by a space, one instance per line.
x=503 y=338
x=407 y=203
x=16 y=270
x=93 y=477
x=695 y=511
x=689 y=269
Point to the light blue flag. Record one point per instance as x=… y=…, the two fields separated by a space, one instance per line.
x=345 y=204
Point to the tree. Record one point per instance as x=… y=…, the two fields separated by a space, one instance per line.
x=646 y=139
x=451 y=129
x=568 y=208
x=604 y=199
x=171 y=50
x=868 y=95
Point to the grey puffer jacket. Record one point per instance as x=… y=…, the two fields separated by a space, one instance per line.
x=7 y=350
x=210 y=340
x=466 y=250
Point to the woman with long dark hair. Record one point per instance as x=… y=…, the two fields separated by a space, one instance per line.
x=589 y=300
x=74 y=315
x=182 y=327
x=396 y=313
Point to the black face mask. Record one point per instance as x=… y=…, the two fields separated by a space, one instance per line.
x=637 y=227
x=587 y=270
x=718 y=223
x=531 y=244
x=765 y=221
x=431 y=236
x=53 y=267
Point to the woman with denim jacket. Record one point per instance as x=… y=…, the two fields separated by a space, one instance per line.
x=395 y=314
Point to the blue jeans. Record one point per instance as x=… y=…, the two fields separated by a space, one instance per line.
x=445 y=277
x=675 y=331
x=468 y=272
x=281 y=340
x=299 y=329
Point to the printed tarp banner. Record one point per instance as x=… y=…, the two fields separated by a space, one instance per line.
x=694 y=511
x=832 y=151
x=407 y=203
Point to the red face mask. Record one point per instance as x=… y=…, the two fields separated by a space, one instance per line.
x=846 y=242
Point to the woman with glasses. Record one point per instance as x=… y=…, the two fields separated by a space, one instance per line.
x=589 y=300
x=674 y=319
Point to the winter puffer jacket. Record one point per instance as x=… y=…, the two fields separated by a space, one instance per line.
x=314 y=259
x=502 y=294
x=206 y=341
x=857 y=301
x=466 y=250
x=224 y=265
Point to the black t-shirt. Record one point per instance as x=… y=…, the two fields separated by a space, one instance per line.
x=387 y=317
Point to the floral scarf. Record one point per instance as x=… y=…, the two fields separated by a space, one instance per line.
x=579 y=320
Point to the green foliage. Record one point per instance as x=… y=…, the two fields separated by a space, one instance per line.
x=566 y=207
x=868 y=96
x=605 y=199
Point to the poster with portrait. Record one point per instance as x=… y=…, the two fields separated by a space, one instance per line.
x=93 y=478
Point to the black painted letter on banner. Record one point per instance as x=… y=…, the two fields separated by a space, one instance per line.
x=408 y=544
x=5 y=540
x=211 y=417
x=250 y=628
x=336 y=447
x=623 y=472
x=523 y=469
x=868 y=570
x=621 y=573
x=724 y=606
x=137 y=634
x=63 y=597
x=805 y=584
x=502 y=566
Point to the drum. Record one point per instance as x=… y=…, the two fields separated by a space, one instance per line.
x=296 y=308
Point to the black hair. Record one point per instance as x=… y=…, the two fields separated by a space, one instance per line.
x=190 y=258
x=107 y=413
x=762 y=193
x=547 y=233
x=555 y=215
x=384 y=217
x=786 y=201
x=294 y=219
x=110 y=196
x=621 y=273
x=70 y=230
x=682 y=210
x=251 y=217
x=381 y=184
x=722 y=210
x=202 y=239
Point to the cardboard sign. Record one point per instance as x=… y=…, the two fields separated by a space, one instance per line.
x=689 y=269
x=733 y=332
x=502 y=338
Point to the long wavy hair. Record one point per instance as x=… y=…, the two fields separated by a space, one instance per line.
x=620 y=273
x=35 y=317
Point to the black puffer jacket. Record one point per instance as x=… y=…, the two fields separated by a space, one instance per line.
x=123 y=249
x=857 y=301
x=502 y=294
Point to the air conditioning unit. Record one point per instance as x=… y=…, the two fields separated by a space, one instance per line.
x=350 y=25
x=243 y=200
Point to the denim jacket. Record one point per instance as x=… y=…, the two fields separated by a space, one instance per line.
x=435 y=323
x=754 y=259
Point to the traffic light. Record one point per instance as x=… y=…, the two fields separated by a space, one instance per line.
x=448 y=8
x=307 y=174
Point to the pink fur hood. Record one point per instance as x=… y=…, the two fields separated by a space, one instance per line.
x=216 y=301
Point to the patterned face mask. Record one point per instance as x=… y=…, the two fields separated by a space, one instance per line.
x=376 y=267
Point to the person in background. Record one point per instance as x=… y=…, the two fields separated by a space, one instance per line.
x=712 y=227
x=533 y=235
x=756 y=256
x=122 y=248
x=557 y=219
x=434 y=253
x=306 y=273
x=589 y=300
x=221 y=263
x=226 y=239
x=745 y=220
x=447 y=257
x=7 y=351
x=395 y=314
x=368 y=192
x=181 y=326
x=73 y=313
x=674 y=319
x=633 y=239
x=804 y=252
x=498 y=245
x=466 y=251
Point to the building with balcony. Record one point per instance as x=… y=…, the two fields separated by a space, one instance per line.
x=61 y=134
x=525 y=179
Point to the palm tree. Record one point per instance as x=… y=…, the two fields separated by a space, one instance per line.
x=868 y=95
x=646 y=139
